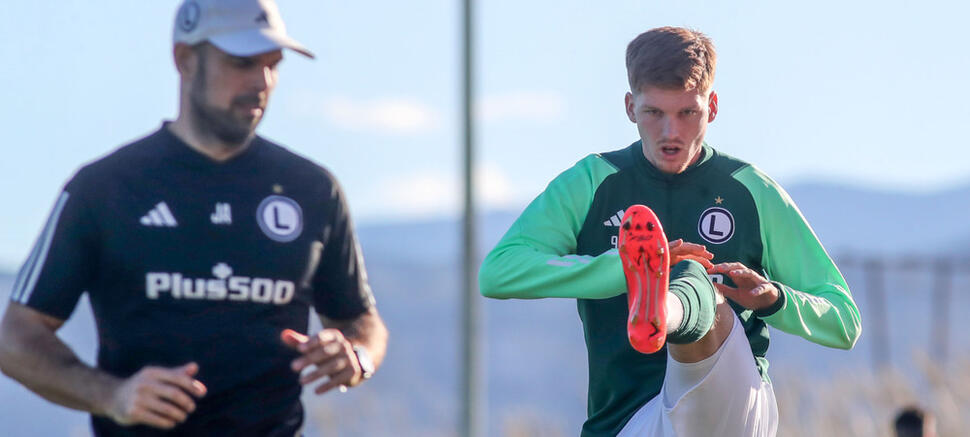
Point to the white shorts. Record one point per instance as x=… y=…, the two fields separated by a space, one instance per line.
x=722 y=395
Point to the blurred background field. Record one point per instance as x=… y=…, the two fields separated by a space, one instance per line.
x=850 y=105
x=536 y=360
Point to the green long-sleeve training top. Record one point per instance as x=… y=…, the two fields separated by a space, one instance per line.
x=564 y=245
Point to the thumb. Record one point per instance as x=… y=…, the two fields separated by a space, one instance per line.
x=189 y=369
x=292 y=338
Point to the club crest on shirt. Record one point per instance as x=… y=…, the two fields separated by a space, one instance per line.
x=716 y=225
x=280 y=218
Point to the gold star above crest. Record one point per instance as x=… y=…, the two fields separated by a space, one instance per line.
x=718 y=200
x=277 y=188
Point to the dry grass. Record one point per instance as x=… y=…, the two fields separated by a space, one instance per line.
x=864 y=403
x=858 y=403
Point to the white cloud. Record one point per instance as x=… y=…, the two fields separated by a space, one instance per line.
x=437 y=193
x=390 y=115
x=494 y=189
x=542 y=106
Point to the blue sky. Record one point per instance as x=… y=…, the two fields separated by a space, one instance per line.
x=868 y=93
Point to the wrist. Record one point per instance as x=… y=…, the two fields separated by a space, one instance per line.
x=106 y=391
x=775 y=306
x=364 y=362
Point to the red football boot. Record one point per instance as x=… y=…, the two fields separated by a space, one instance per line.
x=646 y=265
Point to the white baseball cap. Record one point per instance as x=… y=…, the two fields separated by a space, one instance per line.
x=237 y=27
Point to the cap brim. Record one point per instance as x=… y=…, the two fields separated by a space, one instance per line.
x=257 y=41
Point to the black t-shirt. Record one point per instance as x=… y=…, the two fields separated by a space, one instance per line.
x=187 y=259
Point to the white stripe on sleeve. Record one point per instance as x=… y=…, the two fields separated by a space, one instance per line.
x=31 y=271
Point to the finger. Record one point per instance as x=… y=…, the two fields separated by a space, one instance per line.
x=323 y=337
x=728 y=292
x=342 y=378
x=759 y=290
x=179 y=378
x=691 y=249
x=292 y=338
x=166 y=410
x=189 y=369
x=746 y=274
x=695 y=248
x=318 y=355
x=173 y=395
x=675 y=244
x=151 y=418
x=703 y=261
x=198 y=388
x=726 y=267
x=327 y=368
x=329 y=335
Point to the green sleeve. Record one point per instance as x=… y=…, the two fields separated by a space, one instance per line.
x=817 y=304
x=536 y=257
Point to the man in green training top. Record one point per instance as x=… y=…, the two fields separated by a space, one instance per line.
x=758 y=252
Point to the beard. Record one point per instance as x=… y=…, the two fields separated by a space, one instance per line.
x=223 y=124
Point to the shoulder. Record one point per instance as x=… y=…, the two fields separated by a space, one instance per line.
x=129 y=157
x=621 y=159
x=590 y=170
x=600 y=165
x=297 y=166
x=725 y=163
x=761 y=186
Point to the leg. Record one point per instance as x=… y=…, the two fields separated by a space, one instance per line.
x=721 y=395
x=708 y=344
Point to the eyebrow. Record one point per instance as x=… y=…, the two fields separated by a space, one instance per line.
x=685 y=108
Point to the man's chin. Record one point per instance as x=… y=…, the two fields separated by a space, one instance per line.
x=235 y=135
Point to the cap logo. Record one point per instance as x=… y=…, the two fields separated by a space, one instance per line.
x=262 y=18
x=189 y=16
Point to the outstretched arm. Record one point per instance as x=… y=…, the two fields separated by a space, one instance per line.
x=32 y=354
x=536 y=257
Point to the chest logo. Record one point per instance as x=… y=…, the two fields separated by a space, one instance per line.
x=716 y=225
x=280 y=218
x=159 y=216
x=222 y=214
x=614 y=220
x=224 y=285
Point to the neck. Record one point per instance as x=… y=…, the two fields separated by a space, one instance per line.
x=204 y=141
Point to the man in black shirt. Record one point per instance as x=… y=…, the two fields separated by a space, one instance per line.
x=202 y=248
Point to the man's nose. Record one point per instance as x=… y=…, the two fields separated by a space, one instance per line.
x=671 y=128
x=263 y=78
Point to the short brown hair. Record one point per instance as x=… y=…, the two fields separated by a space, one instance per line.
x=671 y=58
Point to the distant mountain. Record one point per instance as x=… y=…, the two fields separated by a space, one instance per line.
x=857 y=220
x=534 y=352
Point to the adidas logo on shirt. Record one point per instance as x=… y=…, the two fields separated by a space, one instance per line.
x=615 y=220
x=159 y=216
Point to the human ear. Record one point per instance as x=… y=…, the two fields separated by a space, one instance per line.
x=712 y=106
x=186 y=60
x=629 y=103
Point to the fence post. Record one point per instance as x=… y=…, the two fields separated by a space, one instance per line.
x=874 y=269
x=940 y=308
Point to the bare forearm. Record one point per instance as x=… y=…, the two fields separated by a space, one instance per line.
x=368 y=331
x=34 y=356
